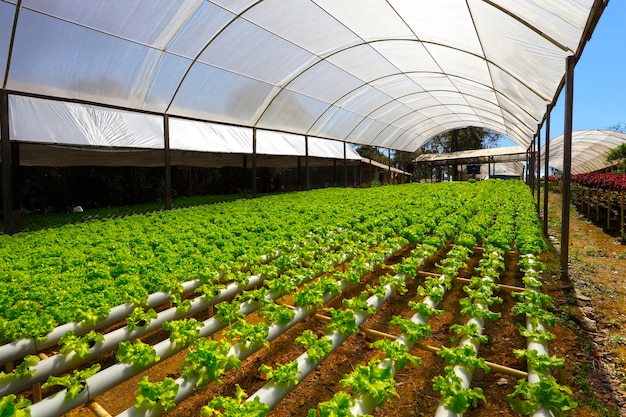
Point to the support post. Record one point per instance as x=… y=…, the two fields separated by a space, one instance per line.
x=345 y=166
x=254 y=162
x=335 y=172
x=546 y=181
x=389 y=165
x=539 y=170
x=567 y=165
x=7 y=180
x=244 y=185
x=167 y=162
x=306 y=163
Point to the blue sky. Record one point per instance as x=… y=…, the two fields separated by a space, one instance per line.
x=599 y=78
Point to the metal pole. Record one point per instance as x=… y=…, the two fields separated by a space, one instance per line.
x=306 y=162
x=335 y=172
x=567 y=165
x=254 y=162
x=244 y=185
x=7 y=178
x=168 y=161
x=345 y=166
x=546 y=182
x=389 y=164
x=539 y=170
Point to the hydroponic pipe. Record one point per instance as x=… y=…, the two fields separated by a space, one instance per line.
x=365 y=404
x=56 y=404
x=186 y=387
x=462 y=371
x=272 y=392
x=18 y=349
x=58 y=364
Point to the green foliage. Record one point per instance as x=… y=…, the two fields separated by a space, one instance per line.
x=183 y=332
x=342 y=321
x=287 y=373
x=74 y=383
x=11 y=406
x=149 y=394
x=235 y=407
x=140 y=318
x=424 y=309
x=359 y=304
x=372 y=380
x=207 y=360
x=228 y=312
x=248 y=334
x=479 y=311
x=539 y=363
x=455 y=397
x=397 y=352
x=276 y=313
x=338 y=406
x=540 y=335
x=79 y=345
x=529 y=397
x=316 y=348
x=463 y=355
x=412 y=331
x=22 y=370
x=395 y=282
x=470 y=330
x=139 y=354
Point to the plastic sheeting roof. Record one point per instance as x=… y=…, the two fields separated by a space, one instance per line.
x=589 y=150
x=389 y=73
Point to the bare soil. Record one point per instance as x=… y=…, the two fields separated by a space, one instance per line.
x=591 y=336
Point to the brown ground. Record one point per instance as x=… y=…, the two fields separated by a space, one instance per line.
x=595 y=366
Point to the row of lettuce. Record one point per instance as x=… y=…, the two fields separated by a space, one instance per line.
x=436 y=222
x=79 y=272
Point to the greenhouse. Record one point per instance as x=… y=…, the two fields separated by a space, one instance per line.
x=346 y=299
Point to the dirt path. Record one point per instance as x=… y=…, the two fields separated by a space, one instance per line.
x=596 y=310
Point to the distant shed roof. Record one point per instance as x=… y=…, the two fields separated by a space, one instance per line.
x=477 y=156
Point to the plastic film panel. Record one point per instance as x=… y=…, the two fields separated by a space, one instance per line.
x=505 y=40
x=303 y=23
x=148 y=22
x=324 y=148
x=293 y=112
x=336 y=123
x=391 y=112
x=443 y=21
x=563 y=21
x=7 y=13
x=406 y=55
x=249 y=50
x=370 y=19
x=364 y=62
x=325 y=82
x=213 y=94
x=108 y=70
x=208 y=20
x=275 y=143
x=188 y=135
x=363 y=100
x=47 y=121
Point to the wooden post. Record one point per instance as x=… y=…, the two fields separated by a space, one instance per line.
x=608 y=210
x=567 y=165
x=167 y=162
x=597 y=203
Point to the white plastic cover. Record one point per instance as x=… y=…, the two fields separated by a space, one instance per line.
x=381 y=72
x=589 y=150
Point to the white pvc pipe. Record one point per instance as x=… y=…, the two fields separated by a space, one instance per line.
x=18 y=349
x=102 y=381
x=186 y=387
